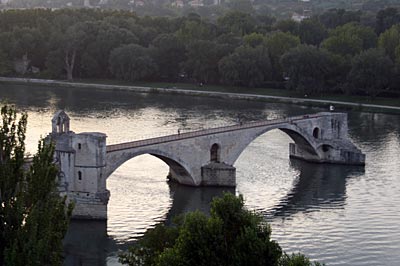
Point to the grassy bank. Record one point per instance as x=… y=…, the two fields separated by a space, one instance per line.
x=254 y=91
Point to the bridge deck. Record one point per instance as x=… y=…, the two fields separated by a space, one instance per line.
x=210 y=131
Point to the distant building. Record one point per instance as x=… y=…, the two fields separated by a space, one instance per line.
x=196 y=3
x=177 y=3
x=297 y=17
x=139 y=3
x=86 y=3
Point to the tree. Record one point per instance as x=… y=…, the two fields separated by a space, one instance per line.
x=386 y=18
x=237 y=22
x=287 y=25
x=371 y=72
x=277 y=44
x=311 y=31
x=253 y=39
x=202 y=60
x=27 y=42
x=244 y=6
x=5 y=64
x=389 y=40
x=307 y=68
x=333 y=18
x=132 y=62
x=33 y=217
x=350 y=39
x=169 y=53
x=247 y=66
x=70 y=43
x=297 y=260
x=95 y=58
x=196 y=29
x=232 y=235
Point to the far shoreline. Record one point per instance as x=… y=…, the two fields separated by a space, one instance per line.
x=192 y=91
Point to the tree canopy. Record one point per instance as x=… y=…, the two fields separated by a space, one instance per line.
x=109 y=44
x=33 y=217
x=232 y=235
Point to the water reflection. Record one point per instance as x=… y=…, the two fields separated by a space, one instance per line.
x=188 y=199
x=86 y=243
x=318 y=186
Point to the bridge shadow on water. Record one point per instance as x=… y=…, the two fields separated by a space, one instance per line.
x=188 y=199
x=318 y=186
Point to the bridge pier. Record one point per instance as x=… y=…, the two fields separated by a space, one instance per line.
x=329 y=155
x=218 y=175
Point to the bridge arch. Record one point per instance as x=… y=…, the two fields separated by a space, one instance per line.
x=178 y=168
x=304 y=140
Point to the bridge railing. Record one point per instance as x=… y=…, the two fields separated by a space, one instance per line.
x=210 y=131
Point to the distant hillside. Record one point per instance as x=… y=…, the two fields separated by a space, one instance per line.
x=280 y=9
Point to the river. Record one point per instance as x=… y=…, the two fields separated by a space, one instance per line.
x=339 y=215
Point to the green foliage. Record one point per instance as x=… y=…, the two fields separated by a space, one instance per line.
x=386 y=18
x=390 y=40
x=247 y=66
x=132 y=62
x=168 y=53
x=350 y=39
x=237 y=22
x=277 y=44
x=371 y=72
x=253 y=39
x=297 y=260
x=196 y=29
x=205 y=47
x=288 y=25
x=336 y=17
x=311 y=31
x=202 y=60
x=148 y=249
x=5 y=64
x=33 y=217
x=232 y=235
x=244 y=6
x=307 y=68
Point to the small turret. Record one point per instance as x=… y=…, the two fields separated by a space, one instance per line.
x=60 y=122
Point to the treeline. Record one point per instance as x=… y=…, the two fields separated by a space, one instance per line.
x=336 y=51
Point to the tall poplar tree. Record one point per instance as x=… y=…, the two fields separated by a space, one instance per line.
x=33 y=217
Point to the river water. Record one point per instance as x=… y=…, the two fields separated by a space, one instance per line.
x=339 y=215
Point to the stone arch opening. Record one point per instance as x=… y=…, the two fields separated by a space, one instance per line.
x=177 y=171
x=301 y=142
x=316 y=133
x=326 y=148
x=215 y=153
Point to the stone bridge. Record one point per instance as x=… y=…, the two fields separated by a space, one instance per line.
x=198 y=158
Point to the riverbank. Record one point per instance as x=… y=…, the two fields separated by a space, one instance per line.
x=251 y=94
